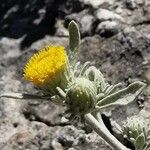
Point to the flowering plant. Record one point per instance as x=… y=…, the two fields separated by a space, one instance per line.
x=137 y=131
x=82 y=88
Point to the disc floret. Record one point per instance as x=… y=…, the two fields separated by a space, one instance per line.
x=47 y=67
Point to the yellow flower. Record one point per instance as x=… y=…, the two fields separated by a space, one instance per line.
x=47 y=66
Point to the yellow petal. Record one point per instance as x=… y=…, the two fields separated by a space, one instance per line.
x=44 y=66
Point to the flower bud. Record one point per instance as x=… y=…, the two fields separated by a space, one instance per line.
x=93 y=74
x=81 y=96
x=137 y=131
x=48 y=69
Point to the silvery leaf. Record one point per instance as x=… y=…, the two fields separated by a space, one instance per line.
x=74 y=36
x=140 y=141
x=124 y=96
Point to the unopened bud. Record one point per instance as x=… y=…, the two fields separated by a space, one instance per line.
x=137 y=131
x=81 y=96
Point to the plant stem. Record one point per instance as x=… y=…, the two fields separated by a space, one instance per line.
x=100 y=128
x=23 y=96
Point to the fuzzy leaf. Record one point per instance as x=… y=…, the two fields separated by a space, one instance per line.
x=135 y=133
x=95 y=75
x=113 y=89
x=140 y=141
x=74 y=36
x=124 y=96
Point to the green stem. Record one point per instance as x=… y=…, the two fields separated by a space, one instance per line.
x=101 y=130
x=23 y=96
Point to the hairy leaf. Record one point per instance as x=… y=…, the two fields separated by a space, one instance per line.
x=124 y=96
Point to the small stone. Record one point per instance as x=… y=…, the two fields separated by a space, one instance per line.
x=60 y=29
x=147 y=2
x=85 y=21
x=56 y=145
x=104 y=14
x=94 y=3
x=86 y=24
x=71 y=148
x=107 y=28
x=97 y=3
x=140 y=2
x=130 y=4
x=118 y=10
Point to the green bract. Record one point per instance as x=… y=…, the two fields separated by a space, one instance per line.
x=137 y=130
x=81 y=96
x=94 y=75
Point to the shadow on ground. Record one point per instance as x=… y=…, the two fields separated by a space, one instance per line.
x=32 y=19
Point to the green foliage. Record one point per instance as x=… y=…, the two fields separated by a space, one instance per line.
x=74 y=36
x=112 y=95
x=105 y=95
x=80 y=96
x=74 y=42
x=123 y=96
x=137 y=131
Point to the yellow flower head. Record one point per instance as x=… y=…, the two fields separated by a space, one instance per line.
x=45 y=66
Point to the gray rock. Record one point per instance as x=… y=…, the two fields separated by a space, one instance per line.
x=147 y=2
x=71 y=137
x=61 y=30
x=97 y=3
x=9 y=50
x=124 y=49
x=33 y=136
x=85 y=21
x=108 y=28
x=140 y=2
x=104 y=14
x=86 y=24
x=130 y=4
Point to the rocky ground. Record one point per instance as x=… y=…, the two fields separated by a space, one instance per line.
x=115 y=38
